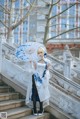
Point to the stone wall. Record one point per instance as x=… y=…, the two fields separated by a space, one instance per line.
x=16 y=74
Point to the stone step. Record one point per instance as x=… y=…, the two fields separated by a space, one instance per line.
x=44 y=116
x=4 y=89
x=11 y=104
x=19 y=112
x=1 y=82
x=8 y=96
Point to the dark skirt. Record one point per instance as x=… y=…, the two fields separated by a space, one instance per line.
x=35 y=95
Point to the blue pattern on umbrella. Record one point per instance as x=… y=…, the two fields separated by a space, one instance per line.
x=28 y=51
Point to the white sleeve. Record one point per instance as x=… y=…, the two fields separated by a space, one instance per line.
x=45 y=80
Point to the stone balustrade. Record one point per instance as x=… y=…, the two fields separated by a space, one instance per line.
x=67 y=84
x=64 y=103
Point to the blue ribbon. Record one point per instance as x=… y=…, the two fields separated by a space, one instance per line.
x=37 y=78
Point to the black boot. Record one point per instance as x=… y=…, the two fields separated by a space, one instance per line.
x=40 y=112
x=34 y=108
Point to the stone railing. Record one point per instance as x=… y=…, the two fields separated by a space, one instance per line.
x=65 y=83
x=65 y=94
x=58 y=65
x=7 y=48
x=64 y=103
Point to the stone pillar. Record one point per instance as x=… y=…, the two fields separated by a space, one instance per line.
x=67 y=58
x=67 y=68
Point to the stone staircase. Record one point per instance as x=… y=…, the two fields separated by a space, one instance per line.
x=13 y=103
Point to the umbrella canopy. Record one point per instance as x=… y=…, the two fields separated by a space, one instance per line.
x=28 y=51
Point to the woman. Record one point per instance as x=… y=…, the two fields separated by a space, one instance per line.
x=40 y=81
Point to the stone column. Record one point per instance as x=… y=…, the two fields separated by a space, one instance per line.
x=67 y=68
x=67 y=58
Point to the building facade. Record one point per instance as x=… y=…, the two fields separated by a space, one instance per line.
x=33 y=27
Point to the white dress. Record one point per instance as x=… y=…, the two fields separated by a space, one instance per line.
x=42 y=89
x=40 y=69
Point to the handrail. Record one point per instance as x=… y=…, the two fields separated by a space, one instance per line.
x=55 y=59
x=64 y=90
x=58 y=62
x=8 y=47
x=64 y=78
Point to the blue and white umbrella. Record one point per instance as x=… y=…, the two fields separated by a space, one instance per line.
x=28 y=51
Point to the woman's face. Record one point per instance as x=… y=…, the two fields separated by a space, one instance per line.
x=40 y=53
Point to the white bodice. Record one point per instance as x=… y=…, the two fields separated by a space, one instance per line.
x=40 y=68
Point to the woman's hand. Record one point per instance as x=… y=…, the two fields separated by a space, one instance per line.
x=48 y=66
x=33 y=64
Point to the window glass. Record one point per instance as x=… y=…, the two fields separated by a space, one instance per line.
x=53 y=34
x=71 y=35
x=16 y=38
x=63 y=23
x=64 y=7
x=17 y=4
x=71 y=23
x=54 y=10
x=24 y=37
x=72 y=10
x=63 y=36
x=1 y=10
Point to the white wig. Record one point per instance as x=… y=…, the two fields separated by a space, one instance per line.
x=43 y=49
